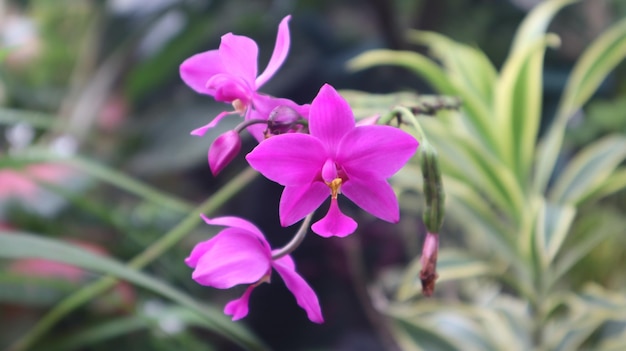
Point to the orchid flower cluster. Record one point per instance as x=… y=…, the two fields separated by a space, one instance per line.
x=315 y=151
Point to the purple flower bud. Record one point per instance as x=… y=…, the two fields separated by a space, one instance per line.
x=223 y=150
x=283 y=119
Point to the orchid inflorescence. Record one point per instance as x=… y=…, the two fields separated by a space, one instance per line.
x=314 y=151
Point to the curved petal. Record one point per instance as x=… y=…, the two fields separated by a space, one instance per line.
x=228 y=88
x=199 y=68
x=239 y=56
x=281 y=49
x=330 y=118
x=298 y=201
x=335 y=223
x=233 y=222
x=239 y=308
x=304 y=294
x=198 y=251
x=374 y=196
x=375 y=150
x=236 y=257
x=289 y=159
x=202 y=130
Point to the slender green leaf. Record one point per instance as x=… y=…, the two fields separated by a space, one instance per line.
x=451 y=265
x=473 y=78
x=417 y=63
x=105 y=174
x=589 y=170
x=517 y=99
x=600 y=58
x=613 y=183
x=551 y=228
x=466 y=157
x=415 y=336
x=535 y=24
x=129 y=324
x=15 y=245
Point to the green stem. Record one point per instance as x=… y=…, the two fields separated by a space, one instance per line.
x=144 y=258
x=296 y=240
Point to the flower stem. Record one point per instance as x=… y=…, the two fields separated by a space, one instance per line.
x=296 y=240
x=151 y=253
x=247 y=123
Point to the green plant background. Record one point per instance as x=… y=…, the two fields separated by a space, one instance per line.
x=533 y=168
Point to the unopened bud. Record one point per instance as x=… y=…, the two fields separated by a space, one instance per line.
x=428 y=274
x=223 y=150
x=283 y=119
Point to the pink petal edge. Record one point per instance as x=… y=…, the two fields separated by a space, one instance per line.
x=301 y=290
x=281 y=49
x=238 y=308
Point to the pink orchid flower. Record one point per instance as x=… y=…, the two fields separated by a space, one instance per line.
x=229 y=74
x=335 y=156
x=240 y=254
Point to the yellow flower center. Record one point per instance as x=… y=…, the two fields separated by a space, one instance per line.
x=335 y=186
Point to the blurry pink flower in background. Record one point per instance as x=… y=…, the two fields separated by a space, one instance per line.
x=42 y=268
x=122 y=296
x=22 y=183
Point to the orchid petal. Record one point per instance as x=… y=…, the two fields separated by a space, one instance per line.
x=281 y=49
x=330 y=118
x=239 y=308
x=335 y=223
x=225 y=87
x=233 y=222
x=304 y=294
x=239 y=56
x=202 y=130
x=374 y=196
x=198 y=251
x=236 y=257
x=375 y=150
x=288 y=159
x=199 y=68
x=298 y=201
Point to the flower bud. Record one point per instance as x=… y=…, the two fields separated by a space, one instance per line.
x=428 y=274
x=283 y=119
x=223 y=150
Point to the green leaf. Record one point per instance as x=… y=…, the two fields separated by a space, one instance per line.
x=130 y=324
x=535 y=24
x=551 y=228
x=465 y=158
x=16 y=245
x=472 y=75
x=32 y=291
x=600 y=58
x=589 y=170
x=517 y=99
x=103 y=173
x=415 y=336
x=613 y=183
x=417 y=63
